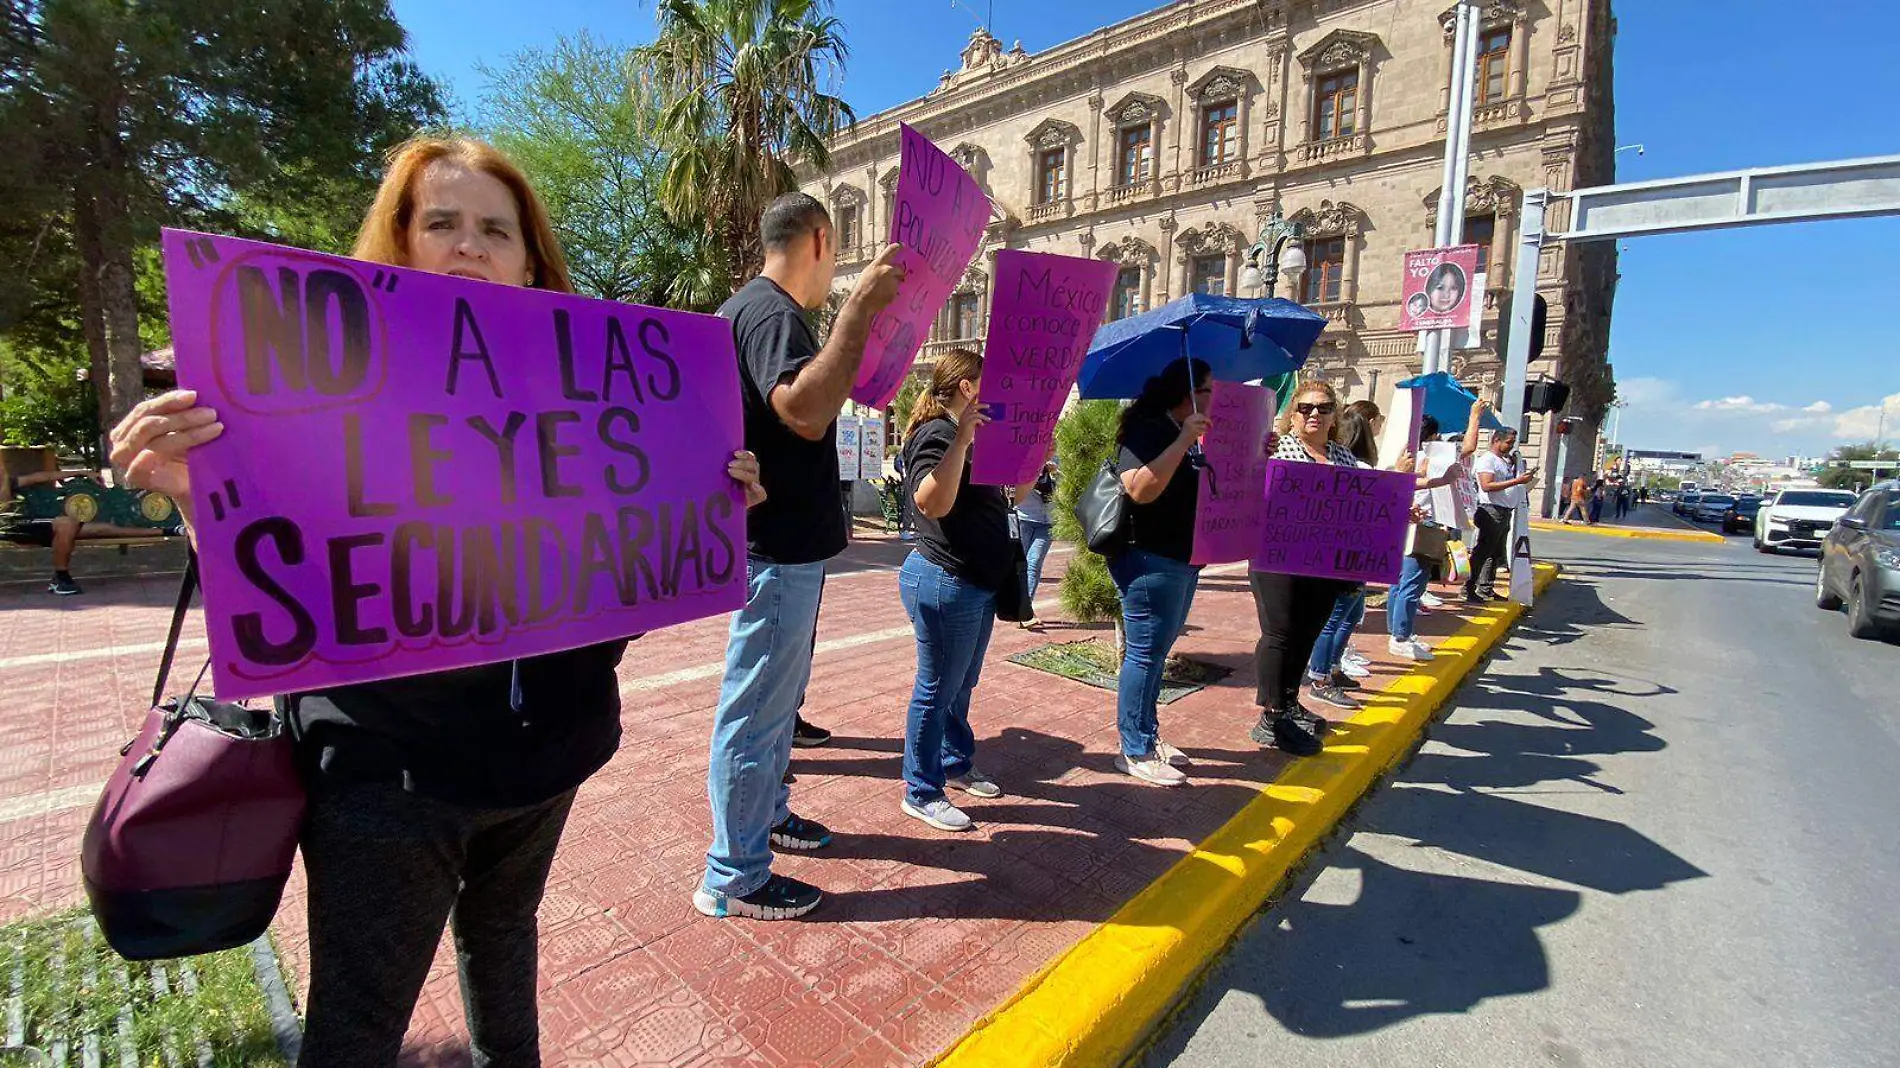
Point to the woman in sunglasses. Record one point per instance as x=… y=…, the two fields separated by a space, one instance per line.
x=1294 y=609
x=1152 y=572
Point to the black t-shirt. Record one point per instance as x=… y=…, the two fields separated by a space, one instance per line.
x=801 y=521
x=971 y=541
x=1165 y=525
x=456 y=736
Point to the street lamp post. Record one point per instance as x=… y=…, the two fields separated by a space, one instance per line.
x=1277 y=248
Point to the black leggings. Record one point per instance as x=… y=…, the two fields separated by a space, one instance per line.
x=1293 y=610
x=387 y=870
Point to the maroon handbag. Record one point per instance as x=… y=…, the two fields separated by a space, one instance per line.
x=189 y=847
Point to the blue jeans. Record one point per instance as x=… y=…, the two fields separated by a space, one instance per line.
x=768 y=662
x=1401 y=605
x=1036 y=539
x=1156 y=593
x=952 y=620
x=1348 y=611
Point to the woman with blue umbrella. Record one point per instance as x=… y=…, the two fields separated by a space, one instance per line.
x=1151 y=571
x=1166 y=360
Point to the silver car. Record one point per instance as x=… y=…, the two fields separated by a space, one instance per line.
x=1710 y=507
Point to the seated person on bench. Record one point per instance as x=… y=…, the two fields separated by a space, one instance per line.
x=47 y=524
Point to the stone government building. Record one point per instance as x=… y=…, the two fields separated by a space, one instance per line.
x=1163 y=142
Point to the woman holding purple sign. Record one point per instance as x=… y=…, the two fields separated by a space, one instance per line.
x=948 y=586
x=1152 y=572
x=1294 y=609
x=438 y=797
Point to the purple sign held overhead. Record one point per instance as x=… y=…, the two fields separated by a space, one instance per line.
x=938 y=216
x=1233 y=503
x=1337 y=522
x=1043 y=316
x=421 y=472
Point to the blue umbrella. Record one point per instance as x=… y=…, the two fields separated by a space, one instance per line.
x=1450 y=403
x=1239 y=338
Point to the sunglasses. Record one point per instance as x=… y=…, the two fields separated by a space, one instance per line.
x=1314 y=409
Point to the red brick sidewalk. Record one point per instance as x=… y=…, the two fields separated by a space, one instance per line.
x=921 y=932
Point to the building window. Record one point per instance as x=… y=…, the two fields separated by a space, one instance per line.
x=1494 y=50
x=1136 y=157
x=1052 y=176
x=1479 y=231
x=847 y=227
x=1220 y=133
x=963 y=312
x=1208 y=274
x=1128 y=293
x=1325 y=269
x=1336 y=105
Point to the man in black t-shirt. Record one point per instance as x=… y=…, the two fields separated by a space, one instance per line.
x=792 y=391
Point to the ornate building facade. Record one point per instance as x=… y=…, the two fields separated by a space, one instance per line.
x=1164 y=142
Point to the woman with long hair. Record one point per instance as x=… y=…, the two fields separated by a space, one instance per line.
x=948 y=586
x=1334 y=670
x=437 y=798
x=1294 y=609
x=1152 y=572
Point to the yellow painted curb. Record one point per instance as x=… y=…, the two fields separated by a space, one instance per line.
x=1095 y=1004
x=1700 y=536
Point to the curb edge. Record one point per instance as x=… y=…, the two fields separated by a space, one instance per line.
x=1097 y=1003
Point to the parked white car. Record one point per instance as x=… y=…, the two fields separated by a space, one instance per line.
x=1799 y=518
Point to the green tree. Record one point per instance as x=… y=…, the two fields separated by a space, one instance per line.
x=743 y=85
x=1849 y=478
x=581 y=122
x=1085 y=439
x=120 y=117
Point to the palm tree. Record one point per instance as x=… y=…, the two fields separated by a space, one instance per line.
x=743 y=84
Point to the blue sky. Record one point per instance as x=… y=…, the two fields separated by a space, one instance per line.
x=1775 y=340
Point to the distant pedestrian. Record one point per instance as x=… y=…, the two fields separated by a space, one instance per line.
x=1596 y=504
x=1579 y=500
x=1034 y=525
x=1623 y=495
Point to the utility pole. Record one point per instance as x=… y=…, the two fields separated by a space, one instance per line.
x=1457 y=167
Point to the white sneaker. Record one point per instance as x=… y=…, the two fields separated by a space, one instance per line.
x=1428 y=599
x=1355 y=658
x=975 y=783
x=1170 y=755
x=940 y=814
x=1409 y=650
x=1152 y=770
x=1355 y=669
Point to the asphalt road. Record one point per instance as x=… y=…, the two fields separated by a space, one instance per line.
x=1660 y=830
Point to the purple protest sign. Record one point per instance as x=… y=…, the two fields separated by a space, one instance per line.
x=1233 y=502
x=1043 y=316
x=938 y=217
x=1338 y=522
x=421 y=472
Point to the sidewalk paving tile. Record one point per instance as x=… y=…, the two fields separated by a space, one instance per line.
x=922 y=932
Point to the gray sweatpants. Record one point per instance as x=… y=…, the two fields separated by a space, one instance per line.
x=387 y=869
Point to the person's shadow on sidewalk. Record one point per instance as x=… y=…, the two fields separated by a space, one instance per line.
x=1366 y=942
x=1071 y=839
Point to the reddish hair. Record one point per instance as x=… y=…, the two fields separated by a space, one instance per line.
x=385 y=234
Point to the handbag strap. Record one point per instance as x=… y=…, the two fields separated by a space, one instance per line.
x=186 y=587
